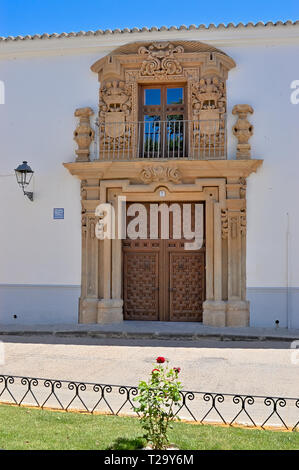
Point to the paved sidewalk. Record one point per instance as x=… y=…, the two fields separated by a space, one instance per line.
x=154 y=330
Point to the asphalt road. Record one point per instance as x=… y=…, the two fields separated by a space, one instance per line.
x=247 y=367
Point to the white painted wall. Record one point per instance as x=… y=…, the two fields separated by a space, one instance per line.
x=46 y=80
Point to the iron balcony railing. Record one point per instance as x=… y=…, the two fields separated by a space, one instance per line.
x=179 y=139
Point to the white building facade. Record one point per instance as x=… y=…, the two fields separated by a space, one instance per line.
x=46 y=78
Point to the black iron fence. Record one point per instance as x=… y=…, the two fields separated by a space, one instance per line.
x=203 y=407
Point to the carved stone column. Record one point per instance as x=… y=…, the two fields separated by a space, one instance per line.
x=90 y=253
x=110 y=305
x=243 y=130
x=83 y=134
x=214 y=308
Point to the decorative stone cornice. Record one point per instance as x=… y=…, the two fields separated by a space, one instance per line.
x=187 y=169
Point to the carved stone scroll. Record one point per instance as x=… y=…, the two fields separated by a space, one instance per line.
x=160 y=173
x=160 y=59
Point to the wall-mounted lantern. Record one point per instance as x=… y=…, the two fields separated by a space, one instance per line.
x=24 y=175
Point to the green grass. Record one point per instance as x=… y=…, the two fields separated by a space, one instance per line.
x=23 y=428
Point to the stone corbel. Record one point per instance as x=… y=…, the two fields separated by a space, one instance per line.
x=243 y=130
x=84 y=134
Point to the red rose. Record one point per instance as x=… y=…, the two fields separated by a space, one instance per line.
x=155 y=370
x=177 y=369
x=161 y=359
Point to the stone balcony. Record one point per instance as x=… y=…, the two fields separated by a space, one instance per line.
x=175 y=139
x=150 y=140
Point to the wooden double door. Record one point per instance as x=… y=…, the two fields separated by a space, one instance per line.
x=162 y=280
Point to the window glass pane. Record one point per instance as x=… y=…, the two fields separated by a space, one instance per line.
x=175 y=134
x=151 y=136
x=152 y=125
x=152 y=96
x=175 y=117
x=174 y=95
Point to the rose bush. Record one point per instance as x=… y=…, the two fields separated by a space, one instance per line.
x=158 y=399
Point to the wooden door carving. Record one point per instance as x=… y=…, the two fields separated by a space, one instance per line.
x=162 y=281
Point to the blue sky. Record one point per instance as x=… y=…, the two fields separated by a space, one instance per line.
x=40 y=16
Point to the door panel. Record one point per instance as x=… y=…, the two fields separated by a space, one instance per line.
x=162 y=280
x=141 y=279
x=186 y=286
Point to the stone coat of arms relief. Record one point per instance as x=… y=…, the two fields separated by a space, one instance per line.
x=114 y=109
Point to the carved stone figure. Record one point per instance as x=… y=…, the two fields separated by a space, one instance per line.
x=115 y=96
x=83 y=134
x=243 y=130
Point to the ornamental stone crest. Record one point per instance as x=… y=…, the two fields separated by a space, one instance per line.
x=208 y=112
x=160 y=173
x=160 y=59
x=115 y=96
x=208 y=100
x=114 y=112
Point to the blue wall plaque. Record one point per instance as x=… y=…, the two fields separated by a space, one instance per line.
x=58 y=213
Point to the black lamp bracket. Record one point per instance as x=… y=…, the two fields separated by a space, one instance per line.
x=29 y=195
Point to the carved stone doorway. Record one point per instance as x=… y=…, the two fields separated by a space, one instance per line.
x=162 y=280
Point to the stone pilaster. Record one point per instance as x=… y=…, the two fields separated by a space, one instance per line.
x=88 y=303
x=237 y=305
x=110 y=307
x=214 y=309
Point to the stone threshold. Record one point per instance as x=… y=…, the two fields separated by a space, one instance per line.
x=154 y=330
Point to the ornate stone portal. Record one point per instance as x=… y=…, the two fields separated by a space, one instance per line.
x=219 y=184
